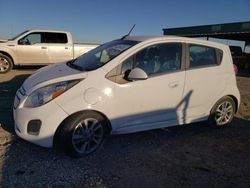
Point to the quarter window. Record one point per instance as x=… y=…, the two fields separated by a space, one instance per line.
x=202 y=56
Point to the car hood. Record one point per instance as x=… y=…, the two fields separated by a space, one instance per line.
x=51 y=74
x=3 y=41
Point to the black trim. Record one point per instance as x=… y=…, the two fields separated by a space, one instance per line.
x=219 y=55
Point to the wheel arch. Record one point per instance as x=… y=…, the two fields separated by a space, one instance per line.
x=56 y=137
x=8 y=54
x=235 y=101
x=220 y=120
x=230 y=96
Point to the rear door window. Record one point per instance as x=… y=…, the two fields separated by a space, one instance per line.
x=56 y=38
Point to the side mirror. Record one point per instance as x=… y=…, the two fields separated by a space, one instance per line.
x=24 y=42
x=137 y=74
x=21 y=42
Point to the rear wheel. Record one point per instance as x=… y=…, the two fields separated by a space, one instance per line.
x=223 y=112
x=83 y=133
x=6 y=64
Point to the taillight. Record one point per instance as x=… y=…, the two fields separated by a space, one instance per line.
x=236 y=70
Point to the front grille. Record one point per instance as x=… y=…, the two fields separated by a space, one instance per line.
x=19 y=95
x=16 y=102
x=17 y=128
x=22 y=91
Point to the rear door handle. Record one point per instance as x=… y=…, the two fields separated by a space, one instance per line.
x=43 y=47
x=173 y=84
x=66 y=48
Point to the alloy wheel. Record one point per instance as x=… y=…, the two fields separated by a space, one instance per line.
x=4 y=64
x=224 y=113
x=87 y=136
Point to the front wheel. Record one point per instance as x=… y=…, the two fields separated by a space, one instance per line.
x=223 y=112
x=83 y=133
x=6 y=64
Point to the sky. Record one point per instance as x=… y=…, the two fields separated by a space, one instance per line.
x=99 y=21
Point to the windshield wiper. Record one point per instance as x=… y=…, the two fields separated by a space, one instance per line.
x=71 y=65
x=74 y=66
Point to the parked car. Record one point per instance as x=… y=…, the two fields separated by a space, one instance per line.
x=127 y=85
x=240 y=58
x=39 y=47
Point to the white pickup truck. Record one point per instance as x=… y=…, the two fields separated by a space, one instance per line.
x=39 y=47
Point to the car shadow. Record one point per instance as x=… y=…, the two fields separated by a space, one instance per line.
x=174 y=156
x=28 y=67
x=7 y=93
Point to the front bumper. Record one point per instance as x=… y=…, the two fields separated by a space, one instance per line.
x=51 y=115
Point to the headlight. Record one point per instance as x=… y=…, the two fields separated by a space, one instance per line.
x=45 y=94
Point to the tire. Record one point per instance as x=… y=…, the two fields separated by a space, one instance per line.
x=6 y=64
x=83 y=133
x=223 y=112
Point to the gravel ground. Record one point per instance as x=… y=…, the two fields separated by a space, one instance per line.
x=195 y=155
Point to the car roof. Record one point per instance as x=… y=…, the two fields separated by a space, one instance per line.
x=46 y=30
x=159 y=38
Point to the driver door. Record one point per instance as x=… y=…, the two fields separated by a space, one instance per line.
x=157 y=99
x=31 y=50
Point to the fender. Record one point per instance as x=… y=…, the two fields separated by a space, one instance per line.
x=9 y=51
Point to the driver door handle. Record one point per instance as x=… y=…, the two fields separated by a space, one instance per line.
x=173 y=84
x=43 y=47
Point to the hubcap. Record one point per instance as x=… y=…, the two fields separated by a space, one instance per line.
x=4 y=64
x=224 y=113
x=87 y=136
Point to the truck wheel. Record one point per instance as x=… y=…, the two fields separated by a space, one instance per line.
x=223 y=112
x=6 y=64
x=83 y=133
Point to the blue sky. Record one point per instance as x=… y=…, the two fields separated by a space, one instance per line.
x=98 y=21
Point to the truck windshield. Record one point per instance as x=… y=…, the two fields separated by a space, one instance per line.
x=101 y=55
x=18 y=35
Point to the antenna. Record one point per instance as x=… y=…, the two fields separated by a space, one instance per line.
x=128 y=32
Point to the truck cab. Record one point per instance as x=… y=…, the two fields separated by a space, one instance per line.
x=39 y=47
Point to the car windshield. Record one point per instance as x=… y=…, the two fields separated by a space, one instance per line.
x=101 y=55
x=18 y=35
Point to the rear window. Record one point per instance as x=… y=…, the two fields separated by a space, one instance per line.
x=200 y=56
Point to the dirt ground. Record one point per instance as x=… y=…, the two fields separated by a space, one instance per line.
x=195 y=155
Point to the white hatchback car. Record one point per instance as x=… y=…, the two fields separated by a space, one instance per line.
x=127 y=85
